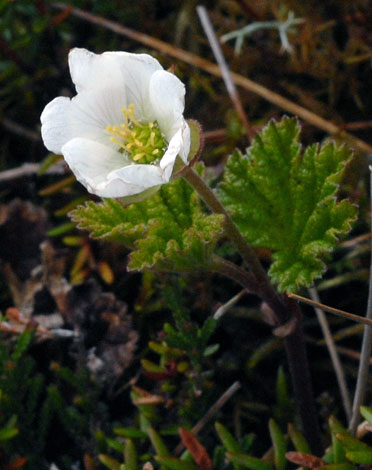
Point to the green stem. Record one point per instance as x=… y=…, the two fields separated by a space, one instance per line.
x=284 y=309
x=295 y=346
x=264 y=287
x=227 y=268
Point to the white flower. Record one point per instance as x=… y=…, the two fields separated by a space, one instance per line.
x=122 y=132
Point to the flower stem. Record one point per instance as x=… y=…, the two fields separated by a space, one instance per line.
x=264 y=288
x=284 y=310
x=295 y=347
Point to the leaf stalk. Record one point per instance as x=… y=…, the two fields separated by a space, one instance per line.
x=284 y=309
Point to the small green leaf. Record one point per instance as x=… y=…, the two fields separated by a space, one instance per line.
x=195 y=138
x=8 y=433
x=151 y=366
x=264 y=350
x=114 y=444
x=175 y=464
x=228 y=440
x=23 y=343
x=336 y=426
x=337 y=466
x=61 y=229
x=298 y=440
x=279 y=444
x=167 y=232
x=109 y=462
x=361 y=457
x=253 y=463
x=157 y=442
x=366 y=412
x=284 y=200
x=352 y=444
x=211 y=349
x=130 y=455
x=219 y=457
x=48 y=161
x=132 y=433
x=282 y=396
x=337 y=453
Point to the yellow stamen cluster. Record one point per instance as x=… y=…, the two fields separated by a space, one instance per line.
x=143 y=143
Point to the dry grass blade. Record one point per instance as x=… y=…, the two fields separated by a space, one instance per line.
x=365 y=354
x=226 y=75
x=210 y=413
x=335 y=311
x=339 y=371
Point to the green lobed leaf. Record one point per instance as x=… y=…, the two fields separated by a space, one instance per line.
x=168 y=231
x=284 y=199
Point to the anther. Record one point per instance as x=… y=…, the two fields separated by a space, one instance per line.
x=138 y=156
x=152 y=137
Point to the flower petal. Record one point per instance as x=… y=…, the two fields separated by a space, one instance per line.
x=91 y=162
x=186 y=142
x=106 y=172
x=89 y=70
x=55 y=131
x=167 y=96
x=169 y=158
x=86 y=115
x=137 y=71
x=122 y=69
x=144 y=175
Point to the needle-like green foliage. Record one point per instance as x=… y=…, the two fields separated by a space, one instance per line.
x=168 y=231
x=284 y=199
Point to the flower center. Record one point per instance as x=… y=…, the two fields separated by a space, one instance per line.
x=143 y=143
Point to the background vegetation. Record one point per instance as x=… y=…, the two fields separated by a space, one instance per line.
x=97 y=362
